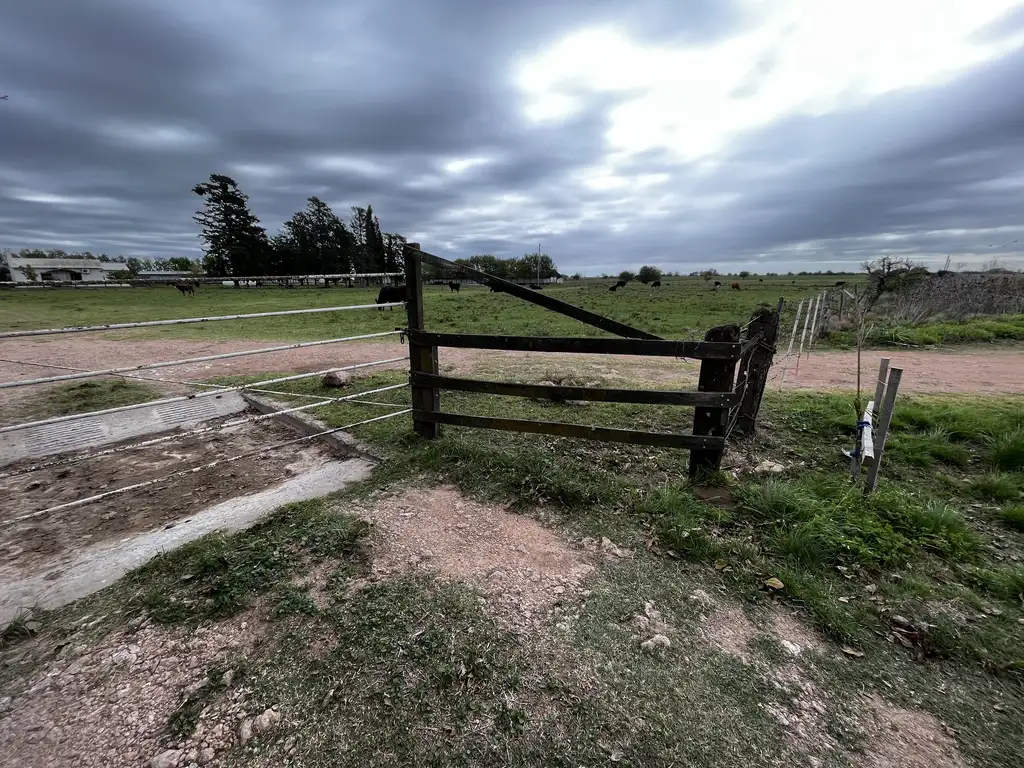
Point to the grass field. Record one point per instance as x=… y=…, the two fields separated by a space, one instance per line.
x=924 y=579
x=681 y=308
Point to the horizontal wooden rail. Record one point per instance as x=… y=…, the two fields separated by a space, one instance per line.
x=604 y=434
x=700 y=350
x=553 y=392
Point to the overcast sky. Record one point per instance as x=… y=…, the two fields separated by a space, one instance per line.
x=760 y=134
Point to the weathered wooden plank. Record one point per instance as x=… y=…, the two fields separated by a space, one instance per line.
x=715 y=376
x=538 y=298
x=764 y=329
x=602 y=434
x=701 y=350
x=422 y=357
x=599 y=394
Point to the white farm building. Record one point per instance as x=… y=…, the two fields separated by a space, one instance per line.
x=66 y=270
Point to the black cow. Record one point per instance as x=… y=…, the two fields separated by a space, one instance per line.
x=497 y=289
x=186 y=288
x=620 y=284
x=537 y=286
x=840 y=283
x=760 y=279
x=718 y=284
x=613 y=288
x=454 y=286
x=391 y=294
x=656 y=284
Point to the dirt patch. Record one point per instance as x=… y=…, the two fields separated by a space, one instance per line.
x=902 y=738
x=527 y=572
x=795 y=636
x=33 y=544
x=802 y=712
x=994 y=372
x=112 y=704
x=728 y=629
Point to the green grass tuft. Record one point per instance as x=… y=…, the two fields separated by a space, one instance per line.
x=1013 y=517
x=1006 y=451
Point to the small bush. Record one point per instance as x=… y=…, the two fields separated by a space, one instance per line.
x=995 y=486
x=1006 y=450
x=777 y=501
x=1013 y=517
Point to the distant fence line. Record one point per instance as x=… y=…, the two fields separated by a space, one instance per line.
x=367 y=278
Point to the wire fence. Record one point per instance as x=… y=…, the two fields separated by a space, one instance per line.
x=208 y=389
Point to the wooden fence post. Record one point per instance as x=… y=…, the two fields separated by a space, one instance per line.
x=883 y=372
x=885 y=418
x=715 y=376
x=422 y=359
x=765 y=322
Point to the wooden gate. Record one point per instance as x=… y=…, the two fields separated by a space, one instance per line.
x=734 y=369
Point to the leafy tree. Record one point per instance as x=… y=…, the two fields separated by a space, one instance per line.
x=29 y=272
x=134 y=266
x=576 y=276
x=707 y=274
x=236 y=244
x=744 y=273
x=394 y=260
x=314 y=241
x=178 y=264
x=359 y=225
x=626 y=275
x=648 y=274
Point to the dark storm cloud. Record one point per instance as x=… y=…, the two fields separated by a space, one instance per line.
x=118 y=107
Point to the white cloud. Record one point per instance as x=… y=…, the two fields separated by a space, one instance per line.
x=799 y=56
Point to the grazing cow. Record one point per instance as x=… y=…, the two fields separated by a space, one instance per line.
x=840 y=283
x=760 y=279
x=259 y=283
x=717 y=284
x=454 y=286
x=620 y=284
x=497 y=289
x=734 y=286
x=537 y=286
x=186 y=288
x=656 y=284
x=613 y=288
x=391 y=294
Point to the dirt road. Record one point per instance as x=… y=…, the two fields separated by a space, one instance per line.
x=983 y=370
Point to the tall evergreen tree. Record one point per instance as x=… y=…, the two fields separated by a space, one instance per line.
x=359 y=226
x=236 y=244
x=319 y=239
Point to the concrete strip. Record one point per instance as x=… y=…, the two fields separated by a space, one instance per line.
x=50 y=439
x=98 y=567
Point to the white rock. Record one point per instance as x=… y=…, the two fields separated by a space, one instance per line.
x=268 y=720
x=228 y=678
x=769 y=466
x=656 y=644
x=245 y=731
x=336 y=379
x=206 y=756
x=168 y=759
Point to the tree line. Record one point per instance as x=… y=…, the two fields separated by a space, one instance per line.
x=530 y=266
x=313 y=241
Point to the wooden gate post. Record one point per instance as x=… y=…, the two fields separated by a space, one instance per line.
x=715 y=376
x=422 y=359
x=765 y=322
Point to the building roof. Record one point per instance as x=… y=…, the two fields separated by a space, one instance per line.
x=16 y=262
x=163 y=273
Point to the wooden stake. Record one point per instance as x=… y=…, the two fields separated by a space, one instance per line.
x=884 y=420
x=883 y=371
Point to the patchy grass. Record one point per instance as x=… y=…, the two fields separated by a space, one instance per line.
x=1013 y=517
x=219 y=575
x=66 y=399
